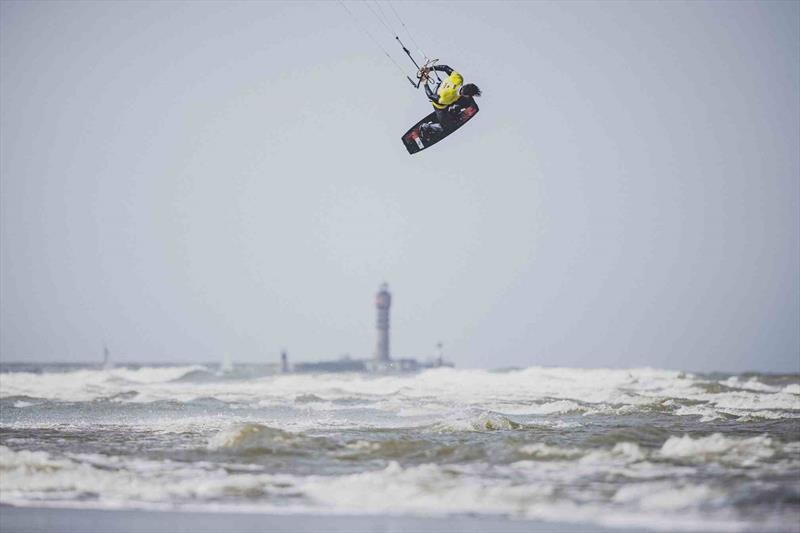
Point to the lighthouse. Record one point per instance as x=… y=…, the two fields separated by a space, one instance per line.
x=383 y=300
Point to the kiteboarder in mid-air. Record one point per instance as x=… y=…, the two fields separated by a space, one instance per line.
x=453 y=101
x=448 y=99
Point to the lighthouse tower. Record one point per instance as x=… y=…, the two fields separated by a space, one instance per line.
x=383 y=300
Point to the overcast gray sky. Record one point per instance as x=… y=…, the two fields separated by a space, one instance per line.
x=188 y=179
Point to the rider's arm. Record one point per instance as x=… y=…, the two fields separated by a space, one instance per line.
x=443 y=68
x=432 y=96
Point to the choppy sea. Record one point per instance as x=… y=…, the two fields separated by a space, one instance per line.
x=641 y=448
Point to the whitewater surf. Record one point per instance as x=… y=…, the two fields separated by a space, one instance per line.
x=642 y=448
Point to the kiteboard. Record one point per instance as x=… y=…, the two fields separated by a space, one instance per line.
x=415 y=141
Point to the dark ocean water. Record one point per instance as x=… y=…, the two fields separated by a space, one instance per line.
x=643 y=448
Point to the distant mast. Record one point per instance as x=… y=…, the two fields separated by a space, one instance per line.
x=106 y=357
x=284 y=362
x=383 y=300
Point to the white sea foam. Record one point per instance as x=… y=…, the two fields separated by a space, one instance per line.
x=540 y=450
x=525 y=489
x=719 y=448
x=527 y=393
x=622 y=452
x=38 y=476
x=755 y=401
x=751 y=384
x=666 y=496
x=86 y=385
x=154 y=374
x=793 y=388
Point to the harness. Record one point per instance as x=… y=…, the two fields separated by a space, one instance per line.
x=448 y=90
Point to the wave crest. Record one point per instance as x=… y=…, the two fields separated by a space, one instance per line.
x=718 y=447
x=481 y=422
x=249 y=436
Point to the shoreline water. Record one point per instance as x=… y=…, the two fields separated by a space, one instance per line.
x=71 y=520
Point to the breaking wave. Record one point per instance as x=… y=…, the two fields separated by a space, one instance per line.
x=480 y=422
x=718 y=447
x=526 y=393
x=255 y=438
x=638 y=448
